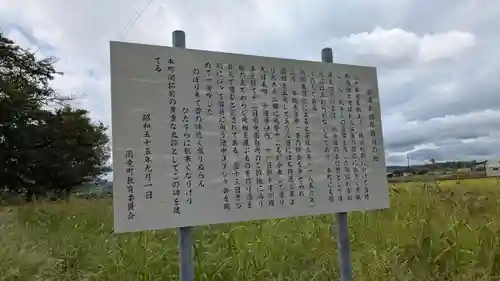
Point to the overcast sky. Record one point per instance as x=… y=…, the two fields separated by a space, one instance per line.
x=437 y=61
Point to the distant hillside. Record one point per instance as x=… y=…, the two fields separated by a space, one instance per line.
x=451 y=165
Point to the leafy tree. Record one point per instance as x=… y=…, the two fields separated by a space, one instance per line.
x=41 y=150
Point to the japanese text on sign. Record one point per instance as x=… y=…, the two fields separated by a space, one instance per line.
x=229 y=138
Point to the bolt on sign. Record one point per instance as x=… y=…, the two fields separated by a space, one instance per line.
x=205 y=137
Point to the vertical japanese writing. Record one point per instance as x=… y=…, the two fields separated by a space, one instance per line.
x=356 y=139
x=174 y=138
x=345 y=148
x=362 y=159
x=288 y=140
x=268 y=152
x=267 y=121
x=199 y=124
x=373 y=137
x=235 y=145
x=245 y=138
x=327 y=143
x=352 y=136
x=148 y=169
x=276 y=124
x=263 y=80
x=253 y=81
x=246 y=145
x=223 y=137
x=335 y=142
x=271 y=202
x=256 y=136
x=298 y=140
x=188 y=174
x=258 y=157
x=302 y=145
x=329 y=178
x=331 y=82
x=343 y=131
x=158 y=65
x=314 y=89
x=130 y=168
x=328 y=105
x=373 y=132
x=336 y=155
x=358 y=102
x=208 y=87
x=307 y=139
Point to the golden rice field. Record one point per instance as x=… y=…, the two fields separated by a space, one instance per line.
x=433 y=231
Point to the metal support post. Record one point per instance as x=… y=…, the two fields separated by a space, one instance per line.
x=185 y=233
x=344 y=249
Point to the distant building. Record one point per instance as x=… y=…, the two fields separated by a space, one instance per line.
x=397 y=173
x=493 y=168
x=480 y=166
x=463 y=171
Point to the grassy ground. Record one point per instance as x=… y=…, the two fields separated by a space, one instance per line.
x=433 y=231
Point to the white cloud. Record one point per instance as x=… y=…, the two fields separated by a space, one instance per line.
x=444 y=92
x=486 y=117
x=398 y=43
x=79 y=33
x=435 y=133
x=448 y=45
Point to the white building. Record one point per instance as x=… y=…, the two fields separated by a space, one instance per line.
x=493 y=168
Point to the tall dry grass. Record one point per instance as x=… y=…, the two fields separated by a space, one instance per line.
x=433 y=231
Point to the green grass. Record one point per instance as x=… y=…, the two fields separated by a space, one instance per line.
x=433 y=231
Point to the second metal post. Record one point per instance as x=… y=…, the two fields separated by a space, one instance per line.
x=185 y=233
x=344 y=249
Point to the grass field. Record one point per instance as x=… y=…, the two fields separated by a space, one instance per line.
x=444 y=231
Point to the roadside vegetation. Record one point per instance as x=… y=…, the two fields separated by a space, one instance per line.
x=432 y=231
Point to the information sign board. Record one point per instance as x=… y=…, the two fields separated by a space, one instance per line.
x=205 y=137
